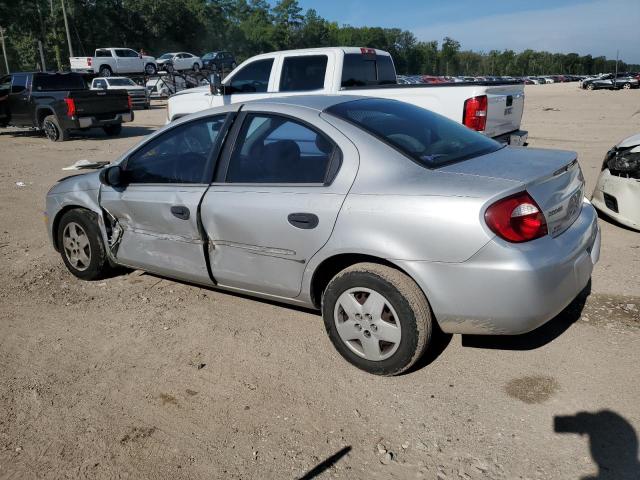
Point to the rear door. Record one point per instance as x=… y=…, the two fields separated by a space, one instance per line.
x=276 y=200
x=505 y=105
x=19 y=96
x=300 y=74
x=158 y=208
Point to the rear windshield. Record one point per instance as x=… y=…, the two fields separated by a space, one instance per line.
x=360 y=70
x=121 y=82
x=428 y=138
x=58 y=81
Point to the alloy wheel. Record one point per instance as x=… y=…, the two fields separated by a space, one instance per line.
x=76 y=246
x=50 y=130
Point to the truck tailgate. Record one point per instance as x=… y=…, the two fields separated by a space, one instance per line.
x=80 y=63
x=100 y=104
x=505 y=104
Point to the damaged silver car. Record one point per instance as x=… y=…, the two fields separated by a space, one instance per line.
x=390 y=219
x=617 y=192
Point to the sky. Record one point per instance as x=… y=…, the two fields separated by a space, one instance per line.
x=598 y=27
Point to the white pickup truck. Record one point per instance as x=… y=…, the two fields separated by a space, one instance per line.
x=109 y=61
x=494 y=109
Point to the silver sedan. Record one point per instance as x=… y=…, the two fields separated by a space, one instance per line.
x=392 y=220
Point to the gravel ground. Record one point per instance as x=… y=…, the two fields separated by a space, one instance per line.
x=143 y=377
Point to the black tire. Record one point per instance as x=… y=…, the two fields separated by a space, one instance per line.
x=196 y=67
x=105 y=71
x=113 y=130
x=400 y=293
x=168 y=67
x=150 y=69
x=626 y=86
x=52 y=129
x=590 y=87
x=98 y=265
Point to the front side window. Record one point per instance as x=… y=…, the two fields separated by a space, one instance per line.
x=180 y=155
x=253 y=78
x=121 y=52
x=275 y=149
x=303 y=73
x=428 y=138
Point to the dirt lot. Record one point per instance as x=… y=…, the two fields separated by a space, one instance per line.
x=142 y=377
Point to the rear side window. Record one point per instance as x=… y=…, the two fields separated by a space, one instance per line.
x=253 y=78
x=103 y=53
x=303 y=73
x=360 y=70
x=19 y=83
x=58 y=81
x=429 y=139
x=275 y=149
x=180 y=155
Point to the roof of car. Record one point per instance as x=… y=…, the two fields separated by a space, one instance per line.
x=314 y=102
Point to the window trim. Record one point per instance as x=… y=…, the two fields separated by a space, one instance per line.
x=214 y=157
x=220 y=178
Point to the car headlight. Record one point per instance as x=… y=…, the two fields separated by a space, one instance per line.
x=625 y=162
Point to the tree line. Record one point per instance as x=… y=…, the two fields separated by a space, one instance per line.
x=246 y=28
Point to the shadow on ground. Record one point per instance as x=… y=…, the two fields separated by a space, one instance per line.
x=92 y=134
x=326 y=464
x=613 y=443
x=538 y=337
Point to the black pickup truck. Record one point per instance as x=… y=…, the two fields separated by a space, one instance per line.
x=58 y=103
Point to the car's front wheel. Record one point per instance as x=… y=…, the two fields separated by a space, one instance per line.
x=81 y=245
x=377 y=318
x=150 y=69
x=590 y=86
x=626 y=86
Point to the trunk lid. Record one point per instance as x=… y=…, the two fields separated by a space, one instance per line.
x=552 y=177
x=100 y=104
x=505 y=104
x=79 y=63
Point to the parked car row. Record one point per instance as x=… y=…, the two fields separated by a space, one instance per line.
x=611 y=81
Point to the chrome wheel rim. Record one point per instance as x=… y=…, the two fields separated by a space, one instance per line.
x=626 y=86
x=50 y=130
x=367 y=323
x=76 y=246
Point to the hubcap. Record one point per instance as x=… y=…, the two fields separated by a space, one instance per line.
x=367 y=323
x=76 y=246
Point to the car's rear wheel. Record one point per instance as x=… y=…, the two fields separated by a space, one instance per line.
x=81 y=245
x=105 y=71
x=626 y=86
x=53 y=130
x=112 y=130
x=196 y=67
x=590 y=87
x=168 y=67
x=377 y=318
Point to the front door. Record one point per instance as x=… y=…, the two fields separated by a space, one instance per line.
x=166 y=179
x=19 y=97
x=275 y=202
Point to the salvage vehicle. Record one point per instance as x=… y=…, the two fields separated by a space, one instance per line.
x=492 y=108
x=391 y=219
x=617 y=192
x=139 y=95
x=219 y=61
x=58 y=103
x=611 y=81
x=109 y=61
x=179 y=61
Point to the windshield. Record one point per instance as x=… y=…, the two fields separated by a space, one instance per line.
x=121 y=82
x=166 y=56
x=428 y=138
x=210 y=55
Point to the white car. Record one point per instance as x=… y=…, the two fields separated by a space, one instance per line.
x=493 y=108
x=164 y=87
x=109 y=61
x=179 y=61
x=138 y=94
x=617 y=193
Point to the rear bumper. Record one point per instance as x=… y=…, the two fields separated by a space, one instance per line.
x=619 y=198
x=517 y=138
x=89 y=122
x=508 y=289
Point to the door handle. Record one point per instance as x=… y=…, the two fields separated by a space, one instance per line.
x=306 y=221
x=181 y=212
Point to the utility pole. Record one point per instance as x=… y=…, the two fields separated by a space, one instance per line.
x=66 y=26
x=4 y=50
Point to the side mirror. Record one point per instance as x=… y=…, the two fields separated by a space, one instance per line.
x=112 y=176
x=215 y=84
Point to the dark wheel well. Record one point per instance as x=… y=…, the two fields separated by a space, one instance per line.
x=56 y=222
x=41 y=115
x=332 y=265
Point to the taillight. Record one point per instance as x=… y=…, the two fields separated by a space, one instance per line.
x=89 y=61
x=475 y=113
x=71 y=106
x=129 y=102
x=516 y=218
